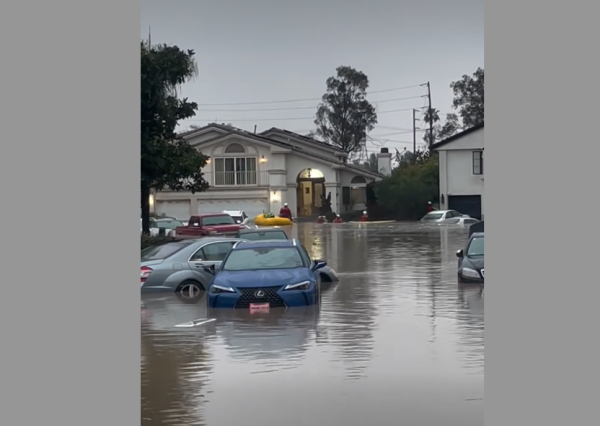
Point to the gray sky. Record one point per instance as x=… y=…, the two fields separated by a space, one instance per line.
x=277 y=50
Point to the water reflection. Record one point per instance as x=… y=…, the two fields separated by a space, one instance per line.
x=396 y=320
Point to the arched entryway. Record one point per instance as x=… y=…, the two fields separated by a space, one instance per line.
x=311 y=186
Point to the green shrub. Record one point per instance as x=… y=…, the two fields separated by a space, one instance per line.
x=407 y=191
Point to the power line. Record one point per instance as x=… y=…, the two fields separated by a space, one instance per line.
x=212 y=120
x=297 y=108
x=308 y=99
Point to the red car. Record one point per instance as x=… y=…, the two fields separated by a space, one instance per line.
x=209 y=224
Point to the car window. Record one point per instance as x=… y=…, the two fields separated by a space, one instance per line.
x=476 y=247
x=168 y=224
x=163 y=251
x=263 y=258
x=218 y=220
x=468 y=221
x=433 y=216
x=304 y=254
x=213 y=252
x=238 y=219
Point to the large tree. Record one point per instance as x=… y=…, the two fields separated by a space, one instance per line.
x=344 y=116
x=468 y=102
x=167 y=161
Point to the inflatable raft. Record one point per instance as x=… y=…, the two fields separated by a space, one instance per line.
x=374 y=221
x=261 y=220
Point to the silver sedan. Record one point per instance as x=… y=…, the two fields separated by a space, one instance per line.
x=179 y=266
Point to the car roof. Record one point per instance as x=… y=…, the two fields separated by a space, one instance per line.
x=477 y=234
x=232 y=211
x=265 y=244
x=211 y=214
x=260 y=230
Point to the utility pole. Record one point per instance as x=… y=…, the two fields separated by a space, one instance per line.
x=430 y=116
x=414 y=136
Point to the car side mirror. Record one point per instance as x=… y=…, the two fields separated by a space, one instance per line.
x=319 y=264
x=459 y=253
x=210 y=269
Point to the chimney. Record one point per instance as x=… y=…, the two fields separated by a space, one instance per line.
x=384 y=162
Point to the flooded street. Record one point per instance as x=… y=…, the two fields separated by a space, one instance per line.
x=395 y=342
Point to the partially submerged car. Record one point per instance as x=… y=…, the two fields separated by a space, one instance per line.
x=437 y=216
x=261 y=275
x=460 y=221
x=178 y=266
x=239 y=216
x=471 y=260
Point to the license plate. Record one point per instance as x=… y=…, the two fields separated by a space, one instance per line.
x=259 y=307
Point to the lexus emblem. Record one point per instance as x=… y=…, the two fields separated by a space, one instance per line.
x=259 y=293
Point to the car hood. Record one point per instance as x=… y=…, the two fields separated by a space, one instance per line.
x=264 y=278
x=474 y=262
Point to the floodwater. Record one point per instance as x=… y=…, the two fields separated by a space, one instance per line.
x=395 y=342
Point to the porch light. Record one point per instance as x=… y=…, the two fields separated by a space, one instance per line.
x=263 y=159
x=208 y=161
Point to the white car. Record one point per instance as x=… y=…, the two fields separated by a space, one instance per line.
x=168 y=224
x=461 y=221
x=437 y=216
x=239 y=216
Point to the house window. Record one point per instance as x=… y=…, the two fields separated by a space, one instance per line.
x=235 y=171
x=477 y=162
x=358 y=191
x=234 y=148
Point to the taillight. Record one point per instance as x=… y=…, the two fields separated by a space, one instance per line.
x=145 y=273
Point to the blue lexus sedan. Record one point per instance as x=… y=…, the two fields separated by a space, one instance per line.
x=259 y=275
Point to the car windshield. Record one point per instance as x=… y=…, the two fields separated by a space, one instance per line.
x=260 y=236
x=476 y=247
x=218 y=220
x=433 y=216
x=263 y=258
x=167 y=224
x=162 y=251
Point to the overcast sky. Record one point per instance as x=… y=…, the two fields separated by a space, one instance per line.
x=261 y=51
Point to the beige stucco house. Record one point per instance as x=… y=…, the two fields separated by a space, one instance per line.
x=259 y=172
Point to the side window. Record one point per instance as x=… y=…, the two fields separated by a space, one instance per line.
x=449 y=215
x=304 y=254
x=214 y=252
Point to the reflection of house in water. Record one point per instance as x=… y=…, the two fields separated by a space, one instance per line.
x=472 y=328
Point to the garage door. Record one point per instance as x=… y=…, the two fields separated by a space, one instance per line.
x=253 y=207
x=466 y=204
x=177 y=209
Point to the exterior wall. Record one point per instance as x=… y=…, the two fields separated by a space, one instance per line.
x=456 y=168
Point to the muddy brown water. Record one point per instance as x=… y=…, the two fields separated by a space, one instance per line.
x=396 y=342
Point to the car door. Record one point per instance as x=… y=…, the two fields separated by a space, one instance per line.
x=212 y=253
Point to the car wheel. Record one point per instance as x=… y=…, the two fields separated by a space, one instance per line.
x=190 y=291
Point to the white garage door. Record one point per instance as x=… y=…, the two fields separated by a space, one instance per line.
x=253 y=207
x=177 y=209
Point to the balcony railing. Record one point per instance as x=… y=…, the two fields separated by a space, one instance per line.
x=253 y=178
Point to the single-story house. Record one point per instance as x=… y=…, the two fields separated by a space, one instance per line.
x=259 y=172
x=461 y=172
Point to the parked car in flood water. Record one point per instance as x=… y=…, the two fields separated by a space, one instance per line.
x=471 y=260
x=441 y=215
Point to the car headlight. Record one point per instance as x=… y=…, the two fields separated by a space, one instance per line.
x=470 y=273
x=304 y=285
x=217 y=289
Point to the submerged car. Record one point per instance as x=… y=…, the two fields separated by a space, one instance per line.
x=470 y=260
x=441 y=215
x=261 y=275
x=328 y=274
x=178 y=266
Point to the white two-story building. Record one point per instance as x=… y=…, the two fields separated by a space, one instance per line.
x=259 y=172
x=461 y=172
